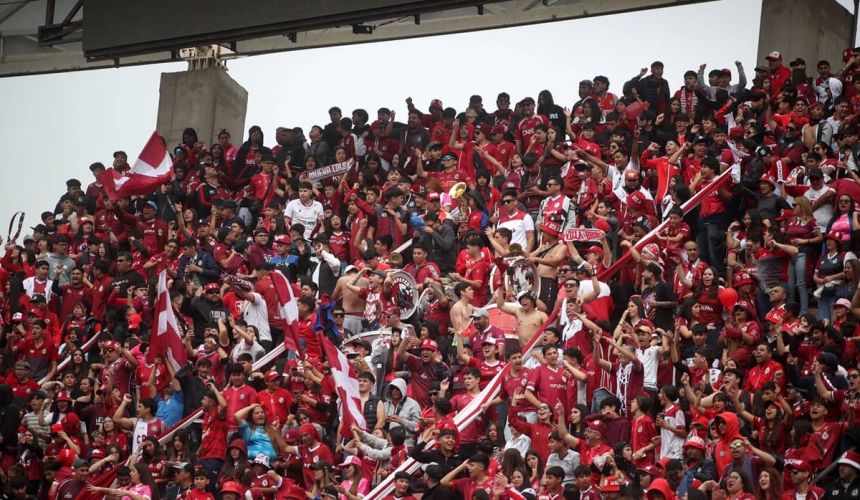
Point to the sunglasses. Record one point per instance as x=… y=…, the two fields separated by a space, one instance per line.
x=796 y=471
x=509 y=201
x=853 y=376
x=336 y=315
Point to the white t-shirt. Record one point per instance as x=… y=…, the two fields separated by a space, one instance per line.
x=824 y=213
x=256 y=314
x=520 y=224
x=671 y=444
x=649 y=358
x=307 y=215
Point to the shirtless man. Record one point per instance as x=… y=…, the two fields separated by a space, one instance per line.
x=351 y=302
x=529 y=318
x=461 y=311
x=548 y=256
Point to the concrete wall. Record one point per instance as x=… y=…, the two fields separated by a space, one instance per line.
x=810 y=29
x=206 y=100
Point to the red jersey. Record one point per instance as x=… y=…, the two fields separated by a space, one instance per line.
x=526 y=128
x=447 y=178
x=713 y=203
x=549 y=385
x=759 y=375
x=238 y=398
x=276 y=404
x=488 y=371
x=642 y=430
x=474 y=431
x=311 y=456
x=467 y=486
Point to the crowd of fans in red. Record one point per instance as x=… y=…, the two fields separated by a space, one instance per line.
x=719 y=361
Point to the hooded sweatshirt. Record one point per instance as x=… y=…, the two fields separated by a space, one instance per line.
x=660 y=485
x=722 y=454
x=407 y=409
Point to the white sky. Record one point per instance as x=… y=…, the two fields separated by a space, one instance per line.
x=54 y=126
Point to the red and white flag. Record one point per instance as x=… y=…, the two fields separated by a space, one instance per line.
x=152 y=169
x=346 y=385
x=288 y=309
x=166 y=339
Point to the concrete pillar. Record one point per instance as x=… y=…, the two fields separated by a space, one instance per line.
x=810 y=29
x=206 y=100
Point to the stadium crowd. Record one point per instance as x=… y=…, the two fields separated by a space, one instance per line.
x=718 y=359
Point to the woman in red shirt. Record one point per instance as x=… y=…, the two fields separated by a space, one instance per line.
x=706 y=293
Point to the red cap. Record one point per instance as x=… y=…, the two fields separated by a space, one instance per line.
x=743 y=278
x=272 y=375
x=652 y=470
x=112 y=345
x=484 y=129
x=392 y=311
x=292 y=436
x=56 y=428
x=211 y=286
x=636 y=198
x=498 y=129
x=434 y=196
x=785 y=214
x=695 y=442
x=768 y=179
x=134 y=321
x=307 y=429
x=66 y=457
x=745 y=305
x=597 y=425
x=232 y=487
x=602 y=225
x=834 y=235
x=595 y=249
x=282 y=239
x=64 y=396
x=851 y=458
x=436 y=103
x=799 y=465
x=97 y=453
x=429 y=345
x=631 y=175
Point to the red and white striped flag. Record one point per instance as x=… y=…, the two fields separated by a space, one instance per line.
x=288 y=310
x=166 y=340
x=152 y=169
x=346 y=385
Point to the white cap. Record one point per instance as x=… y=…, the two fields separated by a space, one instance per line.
x=774 y=56
x=262 y=459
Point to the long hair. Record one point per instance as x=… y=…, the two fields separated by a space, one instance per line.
x=146 y=478
x=775 y=491
x=715 y=286
x=512 y=459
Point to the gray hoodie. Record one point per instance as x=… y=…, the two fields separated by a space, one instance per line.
x=408 y=410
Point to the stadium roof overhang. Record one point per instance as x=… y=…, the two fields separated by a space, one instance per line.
x=50 y=36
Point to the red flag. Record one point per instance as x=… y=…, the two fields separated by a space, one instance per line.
x=109 y=179
x=152 y=169
x=346 y=385
x=288 y=310
x=166 y=340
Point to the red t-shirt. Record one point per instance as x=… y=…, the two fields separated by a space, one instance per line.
x=474 y=431
x=321 y=453
x=549 y=385
x=214 y=439
x=642 y=431
x=238 y=398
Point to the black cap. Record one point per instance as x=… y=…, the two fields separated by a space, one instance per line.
x=435 y=471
